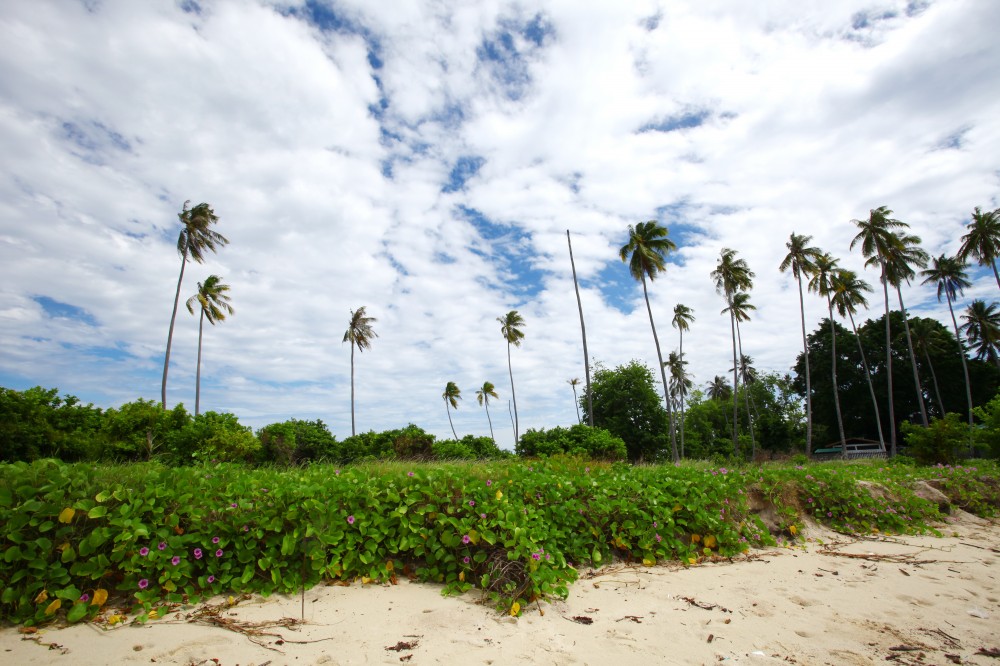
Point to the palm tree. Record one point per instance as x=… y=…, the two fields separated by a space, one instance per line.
x=982 y=330
x=800 y=260
x=583 y=331
x=732 y=275
x=683 y=318
x=848 y=294
x=574 y=383
x=645 y=253
x=949 y=275
x=360 y=334
x=825 y=269
x=875 y=237
x=483 y=396
x=452 y=394
x=718 y=389
x=982 y=243
x=510 y=329
x=741 y=307
x=196 y=236
x=903 y=254
x=213 y=301
x=928 y=338
x=680 y=384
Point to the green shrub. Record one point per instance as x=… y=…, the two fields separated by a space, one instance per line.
x=449 y=449
x=943 y=441
x=578 y=440
x=294 y=442
x=215 y=437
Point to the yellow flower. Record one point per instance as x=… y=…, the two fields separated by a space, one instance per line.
x=515 y=608
x=792 y=529
x=499 y=495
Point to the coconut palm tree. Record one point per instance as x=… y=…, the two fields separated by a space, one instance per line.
x=825 y=269
x=982 y=330
x=483 y=396
x=360 y=334
x=583 y=331
x=573 y=384
x=718 y=389
x=680 y=384
x=903 y=255
x=452 y=394
x=732 y=275
x=195 y=238
x=848 y=294
x=213 y=302
x=510 y=329
x=799 y=260
x=683 y=318
x=875 y=236
x=949 y=275
x=646 y=252
x=741 y=307
x=927 y=338
x=982 y=243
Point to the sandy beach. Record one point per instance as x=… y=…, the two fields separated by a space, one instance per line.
x=831 y=600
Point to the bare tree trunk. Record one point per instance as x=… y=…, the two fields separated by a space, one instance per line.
x=871 y=387
x=170 y=333
x=197 y=374
x=805 y=352
x=913 y=358
x=736 y=385
x=836 y=386
x=663 y=375
x=583 y=330
x=352 y=389
x=888 y=364
x=513 y=396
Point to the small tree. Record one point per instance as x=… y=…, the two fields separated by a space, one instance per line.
x=626 y=404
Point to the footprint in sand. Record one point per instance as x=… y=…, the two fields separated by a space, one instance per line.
x=805 y=603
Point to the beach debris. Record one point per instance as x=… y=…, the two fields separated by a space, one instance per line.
x=582 y=619
x=978 y=612
x=711 y=637
x=989 y=652
x=255 y=632
x=36 y=638
x=634 y=618
x=707 y=606
x=402 y=645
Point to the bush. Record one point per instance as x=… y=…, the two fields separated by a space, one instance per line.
x=213 y=436
x=450 y=449
x=37 y=423
x=141 y=430
x=579 y=440
x=940 y=442
x=295 y=442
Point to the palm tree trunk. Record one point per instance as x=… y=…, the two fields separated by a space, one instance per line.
x=736 y=385
x=871 y=386
x=836 y=386
x=995 y=273
x=805 y=353
x=576 y=401
x=197 y=372
x=937 y=390
x=491 y=423
x=746 y=396
x=170 y=333
x=913 y=358
x=965 y=366
x=663 y=375
x=448 y=409
x=681 y=352
x=888 y=365
x=583 y=331
x=513 y=396
x=352 y=389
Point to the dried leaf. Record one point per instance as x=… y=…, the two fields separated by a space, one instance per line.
x=66 y=515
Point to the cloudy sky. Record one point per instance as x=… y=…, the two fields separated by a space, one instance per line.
x=425 y=160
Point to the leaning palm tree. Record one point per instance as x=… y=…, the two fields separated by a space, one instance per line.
x=982 y=243
x=875 y=237
x=982 y=330
x=800 y=259
x=680 y=384
x=573 y=384
x=732 y=275
x=510 y=329
x=741 y=307
x=903 y=254
x=825 y=269
x=213 y=302
x=683 y=318
x=360 y=334
x=583 y=331
x=483 y=396
x=928 y=339
x=452 y=394
x=646 y=252
x=848 y=294
x=718 y=389
x=195 y=238
x=949 y=275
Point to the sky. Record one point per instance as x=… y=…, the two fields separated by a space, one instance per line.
x=426 y=159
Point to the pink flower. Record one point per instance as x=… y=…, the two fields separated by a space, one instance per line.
x=84 y=597
x=197 y=553
x=162 y=545
x=472 y=502
x=350 y=520
x=466 y=559
x=175 y=560
x=144 y=551
x=211 y=579
x=658 y=538
x=215 y=539
x=466 y=538
x=488 y=483
x=536 y=556
x=409 y=474
x=218 y=553
x=143 y=583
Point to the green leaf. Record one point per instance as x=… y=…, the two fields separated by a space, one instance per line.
x=97 y=512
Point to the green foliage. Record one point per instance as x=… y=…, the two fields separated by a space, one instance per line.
x=450 y=449
x=578 y=440
x=37 y=423
x=988 y=435
x=626 y=404
x=141 y=430
x=942 y=441
x=213 y=436
x=295 y=442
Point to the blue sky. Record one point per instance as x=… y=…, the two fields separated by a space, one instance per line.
x=426 y=159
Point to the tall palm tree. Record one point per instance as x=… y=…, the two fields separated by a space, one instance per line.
x=360 y=334
x=718 y=389
x=680 y=384
x=510 y=329
x=982 y=330
x=483 y=396
x=195 y=238
x=213 y=301
x=875 y=235
x=982 y=243
x=825 y=269
x=903 y=254
x=583 y=331
x=741 y=307
x=452 y=394
x=927 y=338
x=683 y=318
x=800 y=259
x=732 y=275
x=646 y=252
x=573 y=384
x=949 y=275
x=848 y=294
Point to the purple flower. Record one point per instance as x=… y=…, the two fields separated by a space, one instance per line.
x=162 y=545
x=350 y=520
x=143 y=583
x=215 y=539
x=658 y=538
x=233 y=505
x=483 y=516
x=218 y=553
x=175 y=560
x=144 y=551
x=829 y=514
x=465 y=559
x=246 y=528
x=211 y=579
x=472 y=502
x=536 y=556
x=655 y=524
x=337 y=472
x=197 y=553
x=84 y=597
x=409 y=474
x=466 y=538
x=488 y=483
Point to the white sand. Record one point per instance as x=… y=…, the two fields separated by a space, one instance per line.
x=939 y=598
